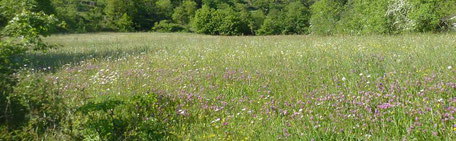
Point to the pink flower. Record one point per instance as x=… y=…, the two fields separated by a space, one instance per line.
x=385 y=106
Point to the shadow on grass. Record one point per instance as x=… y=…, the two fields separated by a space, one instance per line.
x=55 y=60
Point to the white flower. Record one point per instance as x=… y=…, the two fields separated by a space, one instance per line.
x=343 y=79
x=368 y=76
x=218 y=119
x=361 y=74
x=450 y=67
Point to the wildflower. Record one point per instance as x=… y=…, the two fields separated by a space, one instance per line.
x=285 y=132
x=218 y=119
x=385 y=106
x=450 y=67
x=343 y=78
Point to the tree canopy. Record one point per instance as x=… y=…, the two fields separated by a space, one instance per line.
x=247 y=17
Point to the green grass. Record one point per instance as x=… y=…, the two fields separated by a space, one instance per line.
x=266 y=87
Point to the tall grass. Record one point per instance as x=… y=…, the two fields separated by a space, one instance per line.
x=264 y=87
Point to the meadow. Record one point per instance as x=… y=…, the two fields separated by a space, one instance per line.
x=181 y=86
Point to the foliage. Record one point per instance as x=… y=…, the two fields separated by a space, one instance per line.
x=273 y=24
x=23 y=33
x=362 y=17
x=230 y=22
x=297 y=18
x=285 y=17
x=203 y=21
x=184 y=13
x=325 y=15
x=166 y=26
x=133 y=118
x=373 y=87
x=124 y=24
x=398 y=15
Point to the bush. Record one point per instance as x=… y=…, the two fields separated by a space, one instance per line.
x=272 y=25
x=398 y=16
x=203 y=22
x=230 y=22
x=125 y=23
x=220 y=22
x=184 y=13
x=140 y=117
x=23 y=33
x=166 y=26
x=362 y=17
x=325 y=15
x=297 y=18
x=430 y=15
x=256 y=20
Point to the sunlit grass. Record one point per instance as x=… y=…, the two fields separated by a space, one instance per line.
x=270 y=87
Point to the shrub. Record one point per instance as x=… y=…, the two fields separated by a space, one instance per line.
x=430 y=15
x=203 y=21
x=230 y=22
x=297 y=18
x=138 y=117
x=325 y=15
x=166 y=26
x=184 y=13
x=362 y=17
x=257 y=18
x=220 y=22
x=272 y=25
x=398 y=16
x=23 y=33
x=125 y=23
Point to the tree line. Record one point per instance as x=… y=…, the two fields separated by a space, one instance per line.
x=246 y=17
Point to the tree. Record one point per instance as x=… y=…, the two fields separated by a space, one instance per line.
x=297 y=18
x=272 y=25
x=202 y=22
x=117 y=12
x=325 y=15
x=23 y=33
x=184 y=13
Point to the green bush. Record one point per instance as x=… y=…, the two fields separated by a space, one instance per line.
x=398 y=16
x=184 y=13
x=363 y=17
x=203 y=22
x=430 y=15
x=38 y=110
x=124 y=24
x=220 y=22
x=167 y=26
x=256 y=20
x=272 y=25
x=325 y=16
x=297 y=18
x=138 y=117
x=22 y=33
x=230 y=22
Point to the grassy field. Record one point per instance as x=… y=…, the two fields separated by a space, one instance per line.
x=257 y=88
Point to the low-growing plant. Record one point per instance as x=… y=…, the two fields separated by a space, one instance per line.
x=167 y=26
x=23 y=33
